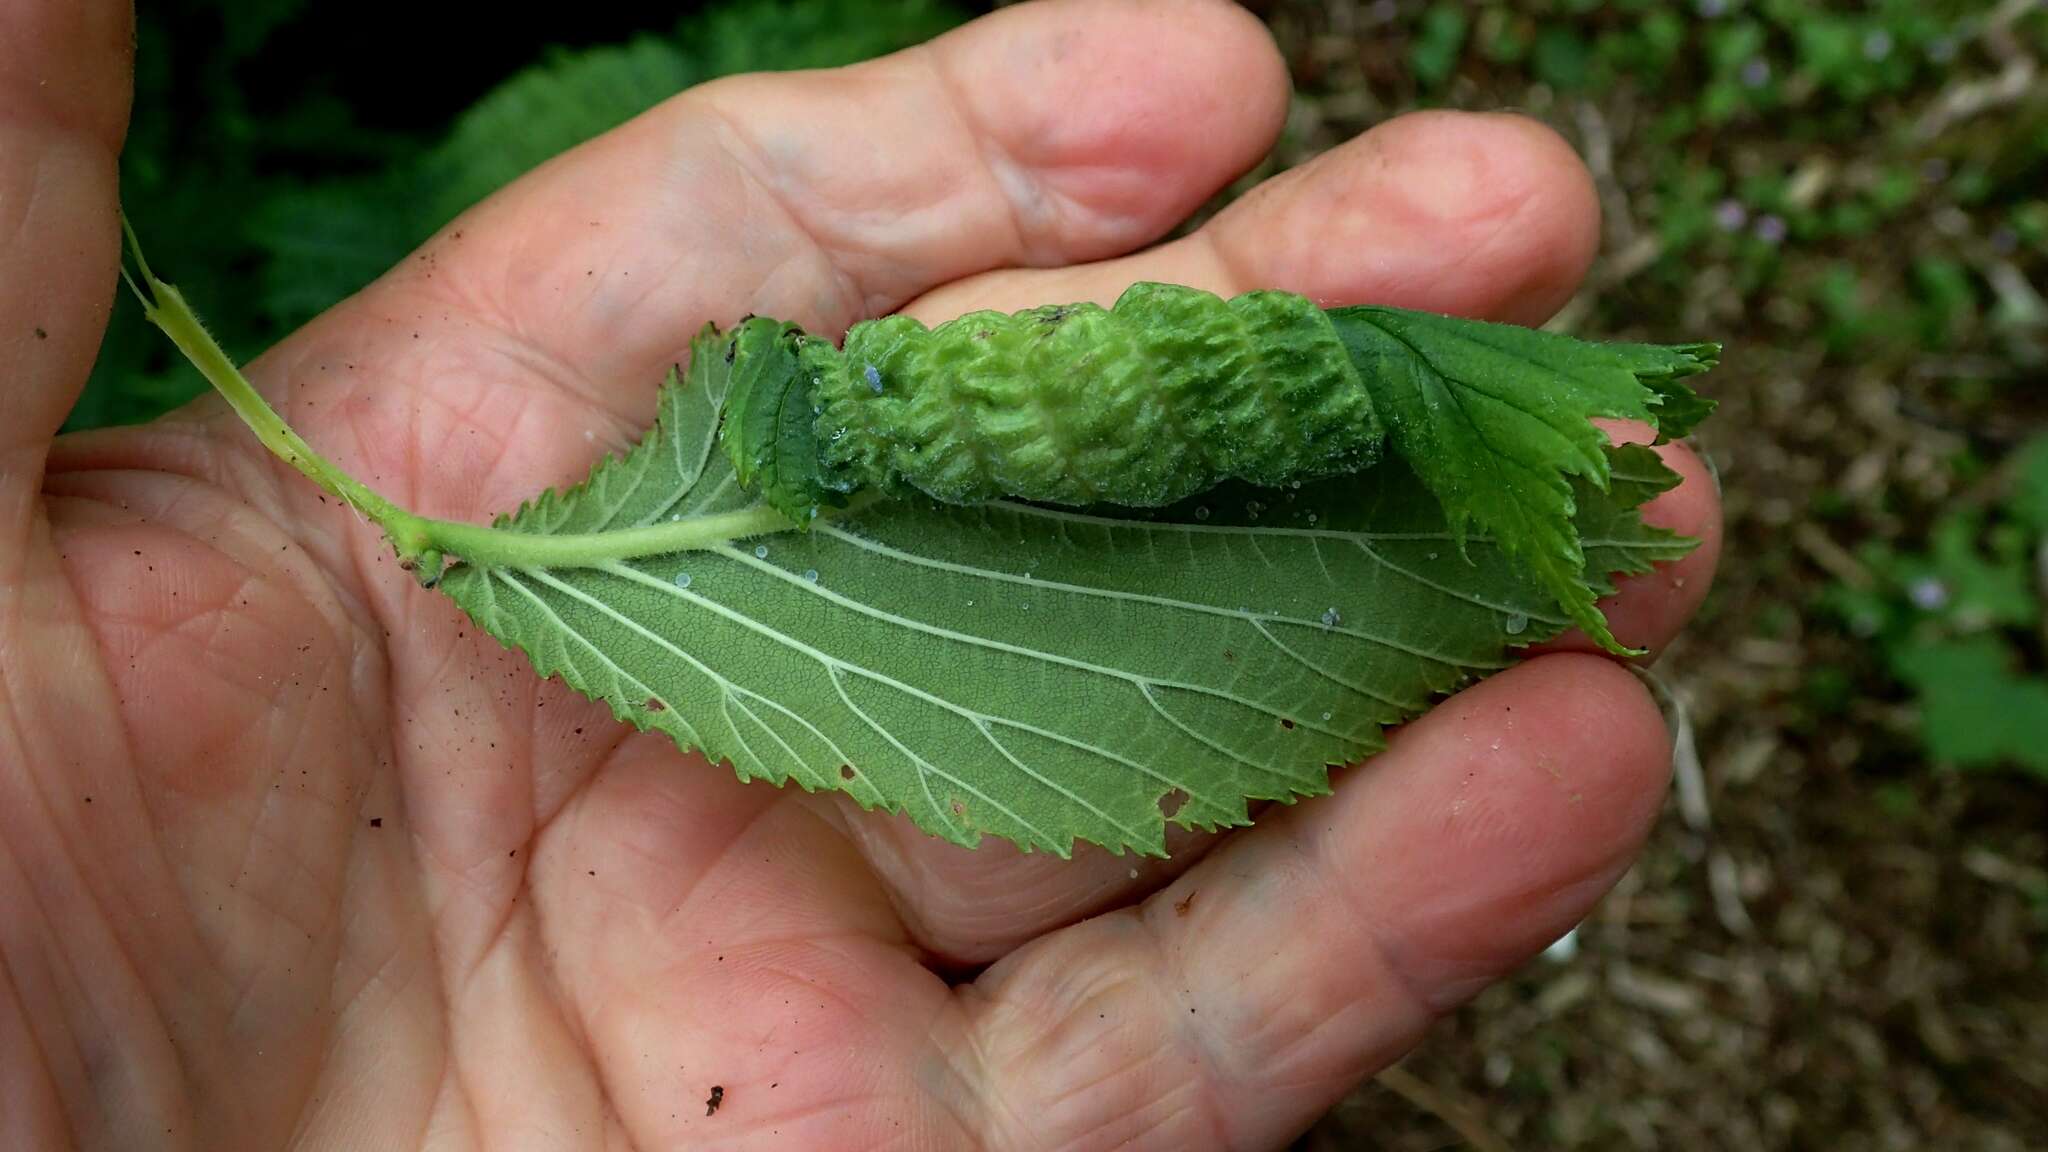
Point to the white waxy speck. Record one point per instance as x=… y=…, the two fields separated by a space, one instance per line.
x=1432 y=555
x=682 y=579
x=1332 y=617
x=1202 y=512
x=1311 y=519
x=1515 y=625
x=874 y=378
x=760 y=551
x=811 y=574
x=1326 y=715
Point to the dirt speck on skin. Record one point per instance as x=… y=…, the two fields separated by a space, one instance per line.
x=716 y=1098
x=1181 y=906
x=376 y=821
x=42 y=335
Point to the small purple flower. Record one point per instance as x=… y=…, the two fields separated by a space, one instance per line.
x=1756 y=72
x=1713 y=9
x=1730 y=215
x=1942 y=49
x=2004 y=240
x=1770 y=229
x=1877 y=45
x=1928 y=594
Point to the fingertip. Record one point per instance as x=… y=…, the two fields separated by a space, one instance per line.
x=1524 y=800
x=1475 y=214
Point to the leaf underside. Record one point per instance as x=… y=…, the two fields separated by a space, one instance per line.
x=1046 y=675
x=1495 y=420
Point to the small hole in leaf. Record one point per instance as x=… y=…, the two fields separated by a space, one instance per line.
x=1287 y=724
x=655 y=705
x=1171 y=803
x=846 y=771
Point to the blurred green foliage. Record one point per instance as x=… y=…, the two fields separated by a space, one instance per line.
x=279 y=160
x=1961 y=621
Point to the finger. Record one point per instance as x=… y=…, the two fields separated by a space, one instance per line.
x=1236 y=1005
x=64 y=86
x=1041 y=134
x=1470 y=214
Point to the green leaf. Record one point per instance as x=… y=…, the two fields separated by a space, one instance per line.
x=1496 y=421
x=322 y=242
x=770 y=422
x=547 y=110
x=1045 y=675
x=1976 y=709
x=2030 y=486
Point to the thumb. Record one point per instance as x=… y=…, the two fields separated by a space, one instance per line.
x=65 y=76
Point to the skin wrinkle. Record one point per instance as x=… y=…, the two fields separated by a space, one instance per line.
x=564 y=1004
x=751 y=165
x=119 y=944
x=57 y=950
x=1168 y=964
x=1020 y=246
x=10 y=999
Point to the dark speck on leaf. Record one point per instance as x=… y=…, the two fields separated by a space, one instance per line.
x=1287 y=724
x=42 y=335
x=654 y=705
x=846 y=771
x=376 y=821
x=717 y=1098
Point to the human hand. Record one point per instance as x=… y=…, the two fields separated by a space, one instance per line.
x=291 y=855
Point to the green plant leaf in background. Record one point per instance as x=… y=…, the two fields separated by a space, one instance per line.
x=229 y=192
x=1977 y=710
x=1043 y=675
x=325 y=241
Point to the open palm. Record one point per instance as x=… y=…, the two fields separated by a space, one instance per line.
x=291 y=855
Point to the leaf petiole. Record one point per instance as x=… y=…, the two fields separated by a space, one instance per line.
x=422 y=543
